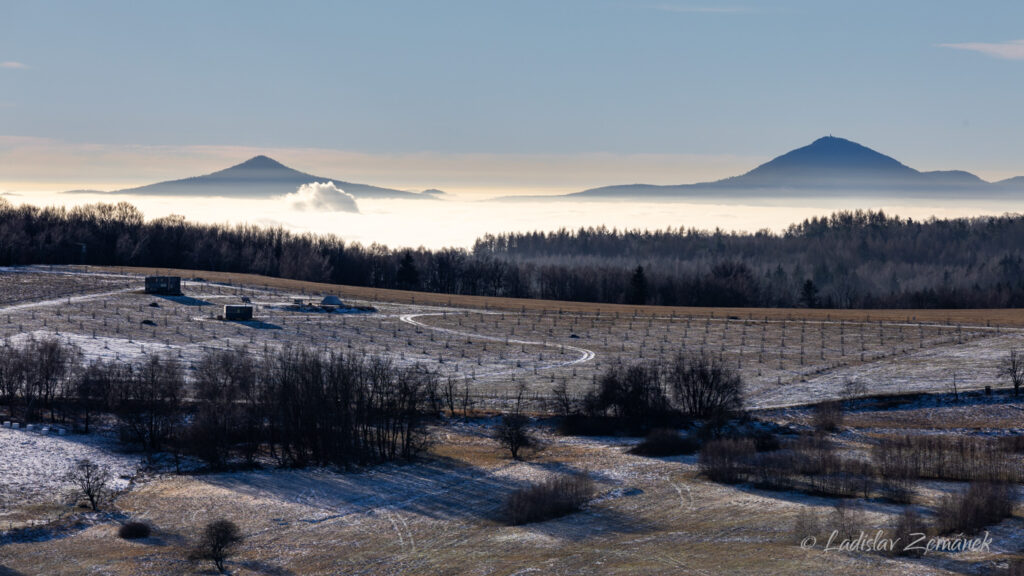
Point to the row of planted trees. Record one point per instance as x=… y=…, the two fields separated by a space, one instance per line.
x=295 y=406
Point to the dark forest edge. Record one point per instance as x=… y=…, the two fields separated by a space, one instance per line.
x=859 y=259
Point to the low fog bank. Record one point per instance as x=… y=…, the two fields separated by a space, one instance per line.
x=323 y=208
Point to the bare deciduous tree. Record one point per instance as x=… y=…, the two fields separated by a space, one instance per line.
x=217 y=542
x=513 y=431
x=467 y=399
x=450 y=394
x=92 y=480
x=704 y=387
x=1013 y=367
x=562 y=400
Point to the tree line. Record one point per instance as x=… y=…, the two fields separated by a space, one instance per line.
x=295 y=406
x=845 y=260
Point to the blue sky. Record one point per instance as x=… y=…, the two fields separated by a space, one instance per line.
x=936 y=84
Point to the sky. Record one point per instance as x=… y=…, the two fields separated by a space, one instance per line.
x=501 y=95
x=485 y=99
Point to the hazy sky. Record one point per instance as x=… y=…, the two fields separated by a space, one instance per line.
x=501 y=95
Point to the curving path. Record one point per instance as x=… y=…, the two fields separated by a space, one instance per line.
x=585 y=355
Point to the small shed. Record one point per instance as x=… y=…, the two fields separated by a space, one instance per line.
x=330 y=302
x=168 y=285
x=237 y=312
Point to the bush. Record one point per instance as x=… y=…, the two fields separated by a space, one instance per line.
x=704 y=387
x=513 y=432
x=982 y=504
x=634 y=394
x=726 y=459
x=665 y=442
x=134 y=530
x=946 y=457
x=552 y=498
x=217 y=542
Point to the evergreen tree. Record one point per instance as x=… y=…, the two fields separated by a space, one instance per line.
x=408 y=276
x=638 y=287
x=809 y=294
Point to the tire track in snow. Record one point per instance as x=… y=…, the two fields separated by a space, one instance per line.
x=65 y=300
x=585 y=354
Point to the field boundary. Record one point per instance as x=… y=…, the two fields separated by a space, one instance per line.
x=989 y=317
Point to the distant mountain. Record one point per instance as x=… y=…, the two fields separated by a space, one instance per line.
x=826 y=165
x=1015 y=183
x=258 y=177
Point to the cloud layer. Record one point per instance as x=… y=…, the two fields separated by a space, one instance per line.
x=322 y=197
x=1012 y=50
x=13 y=65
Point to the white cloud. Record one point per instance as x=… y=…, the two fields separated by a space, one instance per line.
x=13 y=65
x=322 y=196
x=1011 y=50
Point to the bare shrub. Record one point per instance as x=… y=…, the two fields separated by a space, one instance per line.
x=909 y=528
x=807 y=523
x=633 y=394
x=847 y=519
x=563 y=403
x=553 y=498
x=217 y=542
x=1014 y=443
x=665 y=442
x=945 y=457
x=703 y=386
x=982 y=504
x=513 y=432
x=828 y=417
x=726 y=459
x=92 y=481
x=808 y=464
x=134 y=530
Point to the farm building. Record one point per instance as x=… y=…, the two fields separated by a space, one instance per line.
x=330 y=302
x=237 y=312
x=169 y=285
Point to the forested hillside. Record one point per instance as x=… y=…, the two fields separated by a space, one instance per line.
x=848 y=259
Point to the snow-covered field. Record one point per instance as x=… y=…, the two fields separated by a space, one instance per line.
x=783 y=362
x=33 y=465
x=442 y=514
